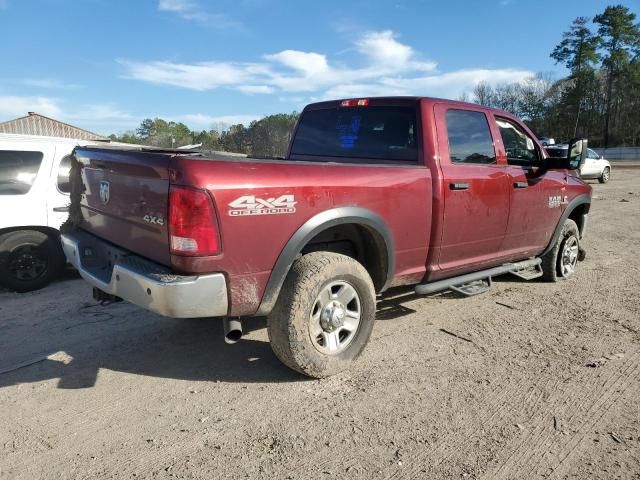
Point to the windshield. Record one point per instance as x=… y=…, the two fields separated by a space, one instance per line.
x=378 y=133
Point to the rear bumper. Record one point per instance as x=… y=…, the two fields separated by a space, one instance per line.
x=145 y=283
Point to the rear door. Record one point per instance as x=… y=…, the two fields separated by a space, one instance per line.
x=125 y=199
x=476 y=194
x=537 y=196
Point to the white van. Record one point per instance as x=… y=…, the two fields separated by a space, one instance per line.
x=34 y=200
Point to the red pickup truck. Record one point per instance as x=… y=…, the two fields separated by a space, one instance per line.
x=373 y=193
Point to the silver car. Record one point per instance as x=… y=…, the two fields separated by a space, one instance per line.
x=594 y=166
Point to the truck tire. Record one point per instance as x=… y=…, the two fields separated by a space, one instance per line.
x=29 y=259
x=324 y=314
x=606 y=175
x=561 y=261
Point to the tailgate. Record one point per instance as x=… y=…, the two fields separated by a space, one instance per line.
x=125 y=199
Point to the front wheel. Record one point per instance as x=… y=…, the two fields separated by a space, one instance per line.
x=606 y=175
x=561 y=261
x=324 y=315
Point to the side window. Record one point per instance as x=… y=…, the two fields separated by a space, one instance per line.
x=469 y=137
x=18 y=170
x=63 y=175
x=592 y=154
x=520 y=147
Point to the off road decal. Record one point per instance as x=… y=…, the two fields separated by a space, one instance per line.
x=252 y=205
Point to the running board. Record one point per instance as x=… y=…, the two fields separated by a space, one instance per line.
x=465 y=285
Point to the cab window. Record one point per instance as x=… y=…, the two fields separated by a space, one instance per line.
x=470 y=139
x=18 y=170
x=519 y=146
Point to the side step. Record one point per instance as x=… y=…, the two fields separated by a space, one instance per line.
x=468 y=284
x=473 y=288
x=529 y=273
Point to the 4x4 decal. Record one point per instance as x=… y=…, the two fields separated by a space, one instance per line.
x=252 y=205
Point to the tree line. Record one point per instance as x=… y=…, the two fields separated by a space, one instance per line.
x=598 y=100
x=267 y=137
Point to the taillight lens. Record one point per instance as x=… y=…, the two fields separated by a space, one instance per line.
x=193 y=229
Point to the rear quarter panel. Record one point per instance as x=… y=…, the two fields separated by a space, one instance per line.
x=251 y=244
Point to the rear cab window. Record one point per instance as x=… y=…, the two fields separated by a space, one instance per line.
x=469 y=136
x=380 y=134
x=18 y=171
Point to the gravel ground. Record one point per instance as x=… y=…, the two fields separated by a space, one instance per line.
x=529 y=380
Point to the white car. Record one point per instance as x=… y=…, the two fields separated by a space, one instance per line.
x=594 y=166
x=34 y=199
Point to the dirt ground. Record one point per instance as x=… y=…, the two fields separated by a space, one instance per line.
x=529 y=380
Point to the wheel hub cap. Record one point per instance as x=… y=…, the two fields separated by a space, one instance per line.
x=334 y=318
x=26 y=263
x=569 y=257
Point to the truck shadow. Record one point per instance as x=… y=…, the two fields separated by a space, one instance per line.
x=167 y=348
x=76 y=344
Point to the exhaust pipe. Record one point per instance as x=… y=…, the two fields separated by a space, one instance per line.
x=232 y=330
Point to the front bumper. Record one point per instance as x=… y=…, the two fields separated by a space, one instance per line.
x=145 y=283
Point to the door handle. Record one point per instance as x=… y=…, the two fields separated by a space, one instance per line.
x=61 y=209
x=458 y=186
x=520 y=184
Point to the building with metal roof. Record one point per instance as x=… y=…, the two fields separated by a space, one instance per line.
x=39 y=125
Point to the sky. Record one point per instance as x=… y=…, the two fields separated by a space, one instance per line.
x=105 y=65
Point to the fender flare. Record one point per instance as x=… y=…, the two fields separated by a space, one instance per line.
x=311 y=228
x=583 y=199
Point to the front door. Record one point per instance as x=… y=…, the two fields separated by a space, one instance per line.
x=476 y=193
x=537 y=196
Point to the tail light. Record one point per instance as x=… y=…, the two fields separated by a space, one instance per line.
x=193 y=227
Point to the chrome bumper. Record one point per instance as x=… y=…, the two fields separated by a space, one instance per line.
x=145 y=283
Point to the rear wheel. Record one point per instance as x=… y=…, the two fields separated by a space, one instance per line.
x=29 y=260
x=324 y=315
x=606 y=175
x=561 y=261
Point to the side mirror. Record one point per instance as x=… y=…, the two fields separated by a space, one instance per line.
x=576 y=153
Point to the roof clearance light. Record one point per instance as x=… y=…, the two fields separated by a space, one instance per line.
x=362 y=102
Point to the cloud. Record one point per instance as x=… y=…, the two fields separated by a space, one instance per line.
x=49 y=83
x=191 y=11
x=94 y=116
x=107 y=118
x=18 y=106
x=201 y=76
x=381 y=65
x=254 y=89
x=176 y=6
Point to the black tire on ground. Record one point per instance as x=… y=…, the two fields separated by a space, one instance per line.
x=552 y=270
x=29 y=259
x=291 y=323
x=606 y=175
